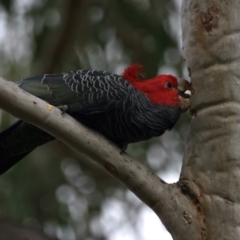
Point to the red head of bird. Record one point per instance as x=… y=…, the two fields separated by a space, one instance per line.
x=162 y=89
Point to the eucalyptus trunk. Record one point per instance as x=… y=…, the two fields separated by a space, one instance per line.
x=210 y=173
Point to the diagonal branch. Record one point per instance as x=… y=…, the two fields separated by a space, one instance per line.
x=175 y=210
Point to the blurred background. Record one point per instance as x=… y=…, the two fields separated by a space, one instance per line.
x=56 y=193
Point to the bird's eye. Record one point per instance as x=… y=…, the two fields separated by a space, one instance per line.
x=168 y=85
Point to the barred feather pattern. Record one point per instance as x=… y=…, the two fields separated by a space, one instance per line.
x=111 y=105
x=105 y=102
x=101 y=100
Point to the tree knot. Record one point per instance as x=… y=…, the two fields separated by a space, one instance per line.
x=186 y=189
x=210 y=18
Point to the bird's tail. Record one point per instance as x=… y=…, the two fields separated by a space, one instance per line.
x=19 y=140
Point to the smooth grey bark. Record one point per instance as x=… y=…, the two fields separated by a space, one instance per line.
x=211 y=166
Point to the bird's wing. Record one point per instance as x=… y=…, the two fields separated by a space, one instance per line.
x=87 y=91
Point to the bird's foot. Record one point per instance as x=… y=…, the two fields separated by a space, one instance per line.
x=63 y=108
x=123 y=149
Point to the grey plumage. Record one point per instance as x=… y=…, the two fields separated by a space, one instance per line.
x=101 y=100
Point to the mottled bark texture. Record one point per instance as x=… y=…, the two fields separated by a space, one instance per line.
x=210 y=172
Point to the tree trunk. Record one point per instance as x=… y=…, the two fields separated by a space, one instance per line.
x=210 y=172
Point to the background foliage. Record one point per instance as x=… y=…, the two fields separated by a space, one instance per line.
x=55 y=188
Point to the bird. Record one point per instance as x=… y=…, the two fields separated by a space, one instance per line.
x=123 y=108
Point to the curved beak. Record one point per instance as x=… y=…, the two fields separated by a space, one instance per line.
x=183 y=86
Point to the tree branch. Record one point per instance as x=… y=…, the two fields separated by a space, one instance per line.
x=168 y=201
